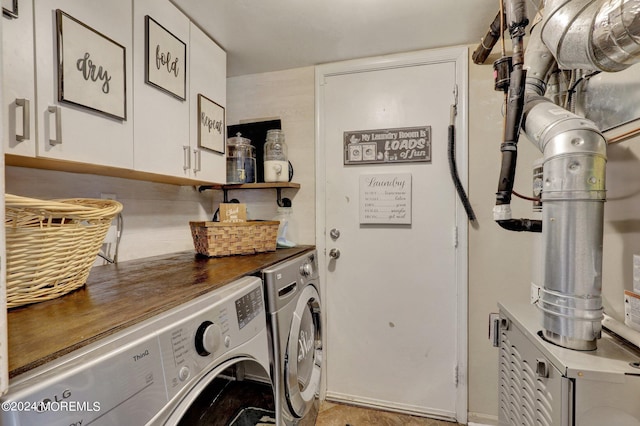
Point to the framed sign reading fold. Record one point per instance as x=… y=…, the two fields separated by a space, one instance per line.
x=91 y=68
x=165 y=60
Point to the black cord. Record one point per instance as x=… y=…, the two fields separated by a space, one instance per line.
x=454 y=174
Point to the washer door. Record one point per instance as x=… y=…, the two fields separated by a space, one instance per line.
x=303 y=359
x=224 y=396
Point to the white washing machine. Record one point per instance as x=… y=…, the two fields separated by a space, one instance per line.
x=295 y=331
x=204 y=362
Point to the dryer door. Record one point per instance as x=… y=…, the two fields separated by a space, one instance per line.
x=304 y=353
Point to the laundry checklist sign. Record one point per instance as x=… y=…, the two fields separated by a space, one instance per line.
x=385 y=198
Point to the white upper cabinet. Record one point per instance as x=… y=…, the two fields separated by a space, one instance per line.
x=84 y=86
x=94 y=122
x=161 y=128
x=166 y=126
x=208 y=75
x=18 y=79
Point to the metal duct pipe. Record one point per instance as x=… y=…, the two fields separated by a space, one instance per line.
x=573 y=198
x=593 y=34
x=539 y=63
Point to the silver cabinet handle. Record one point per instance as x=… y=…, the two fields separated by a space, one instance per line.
x=198 y=156
x=186 y=158
x=26 y=119
x=55 y=110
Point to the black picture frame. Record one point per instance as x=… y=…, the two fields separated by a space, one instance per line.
x=10 y=8
x=211 y=125
x=165 y=64
x=91 y=68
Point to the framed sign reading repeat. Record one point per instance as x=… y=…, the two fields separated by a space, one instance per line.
x=165 y=60
x=211 y=126
x=91 y=68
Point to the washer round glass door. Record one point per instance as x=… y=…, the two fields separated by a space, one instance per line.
x=304 y=353
x=224 y=396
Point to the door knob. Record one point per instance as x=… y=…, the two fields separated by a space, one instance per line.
x=334 y=253
x=334 y=233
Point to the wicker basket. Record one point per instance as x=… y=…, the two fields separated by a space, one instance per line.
x=225 y=239
x=51 y=245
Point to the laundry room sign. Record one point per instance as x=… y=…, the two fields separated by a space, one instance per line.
x=385 y=199
x=401 y=145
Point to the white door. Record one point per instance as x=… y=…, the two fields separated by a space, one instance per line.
x=395 y=299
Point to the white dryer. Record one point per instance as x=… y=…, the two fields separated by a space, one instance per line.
x=205 y=362
x=295 y=331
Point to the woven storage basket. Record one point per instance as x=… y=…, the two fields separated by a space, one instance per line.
x=225 y=239
x=51 y=245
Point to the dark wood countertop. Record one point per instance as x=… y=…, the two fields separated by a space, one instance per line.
x=119 y=296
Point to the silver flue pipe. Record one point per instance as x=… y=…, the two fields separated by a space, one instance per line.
x=573 y=196
x=593 y=34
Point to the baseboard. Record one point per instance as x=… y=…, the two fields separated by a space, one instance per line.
x=387 y=406
x=479 y=419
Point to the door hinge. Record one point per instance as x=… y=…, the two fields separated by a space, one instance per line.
x=455 y=236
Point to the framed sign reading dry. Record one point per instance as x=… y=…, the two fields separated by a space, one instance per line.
x=165 y=60
x=91 y=68
x=211 y=125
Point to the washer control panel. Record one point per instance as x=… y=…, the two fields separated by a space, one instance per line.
x=205 y=333
x=249 y=306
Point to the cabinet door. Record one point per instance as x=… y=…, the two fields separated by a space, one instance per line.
x=18 y=75
x=68 y=131
x=161 y=131
x=208 y=70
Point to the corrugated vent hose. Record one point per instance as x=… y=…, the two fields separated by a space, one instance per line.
x=453 y=168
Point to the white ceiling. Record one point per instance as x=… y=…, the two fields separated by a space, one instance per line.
x=270 y=35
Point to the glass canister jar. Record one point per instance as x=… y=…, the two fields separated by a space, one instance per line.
x=276 y=164
x=241 y=160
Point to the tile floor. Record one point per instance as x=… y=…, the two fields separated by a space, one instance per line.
x=332 y=414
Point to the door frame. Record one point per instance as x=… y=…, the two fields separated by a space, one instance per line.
x=460 y=56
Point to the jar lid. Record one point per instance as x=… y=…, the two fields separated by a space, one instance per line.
x=277 y=134
x=238 y=140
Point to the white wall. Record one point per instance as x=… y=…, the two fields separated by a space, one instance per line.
x=156 y=216
x=288 y=95
x=621 y=224
x=499 y=260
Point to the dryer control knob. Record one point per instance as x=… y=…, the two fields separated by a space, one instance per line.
x=306 y=269
x=208 y=338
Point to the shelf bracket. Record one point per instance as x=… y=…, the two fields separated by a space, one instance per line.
x=282 y=202
x=279 y=197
